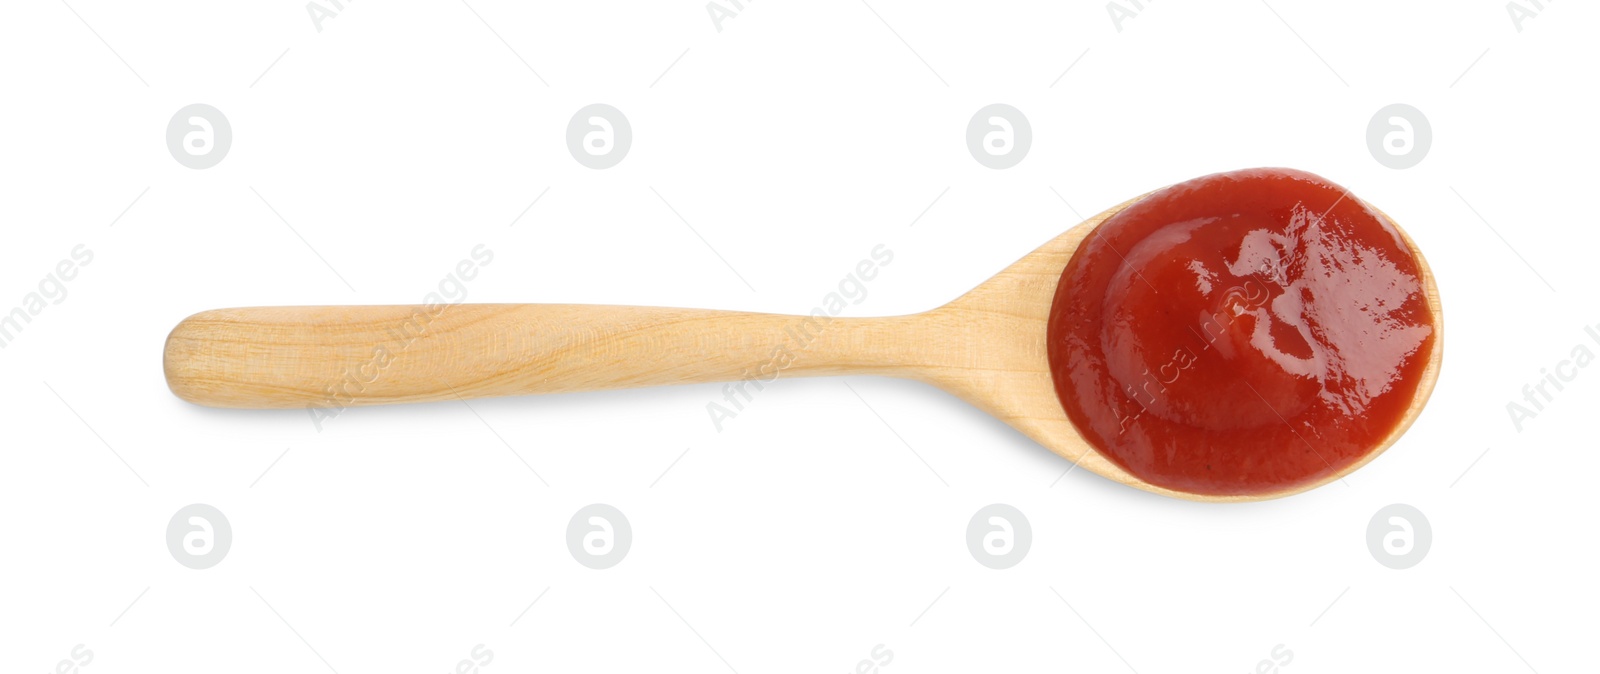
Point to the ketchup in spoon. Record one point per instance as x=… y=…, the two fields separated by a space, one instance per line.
x=1239 y=333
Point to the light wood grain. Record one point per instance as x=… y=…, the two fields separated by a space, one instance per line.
x=987 y=347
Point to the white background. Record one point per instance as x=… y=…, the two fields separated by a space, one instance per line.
x=793 y=141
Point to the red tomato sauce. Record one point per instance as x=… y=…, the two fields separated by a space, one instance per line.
x=1241 y=333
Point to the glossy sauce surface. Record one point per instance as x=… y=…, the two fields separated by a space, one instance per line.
x=1241 y=333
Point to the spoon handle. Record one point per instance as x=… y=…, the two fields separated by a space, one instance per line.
x=337 y=357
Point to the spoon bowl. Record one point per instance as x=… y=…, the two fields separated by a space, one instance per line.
x=1012 y=380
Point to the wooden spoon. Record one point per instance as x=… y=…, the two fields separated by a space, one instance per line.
x=987 y=347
